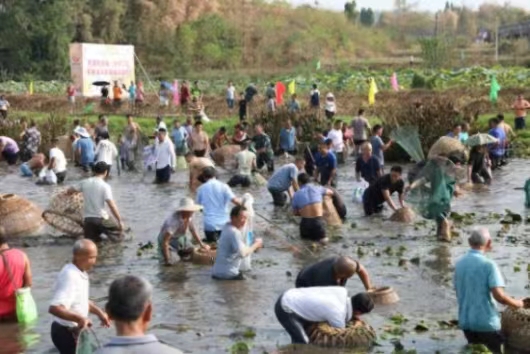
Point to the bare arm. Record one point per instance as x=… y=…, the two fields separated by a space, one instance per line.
x=114 y=210
x=388 y=199
x=51 y=165
x=364 y=276
x=195 y=234
x=502 y=298
x=245 y=251
x=469 y=173
x=67 y=315
x=236 y=201
x=332 y=175
x=295 y=185
x=402 y=199
x=28 y=277
x=102 y=315
x=165 y=247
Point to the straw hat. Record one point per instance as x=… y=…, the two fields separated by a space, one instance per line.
x=187 y=204
x=82 y=132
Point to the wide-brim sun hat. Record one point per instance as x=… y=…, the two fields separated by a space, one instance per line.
x=330 y=95
x=82 y=132
x=187 y=204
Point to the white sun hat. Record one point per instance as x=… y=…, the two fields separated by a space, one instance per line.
x=187 y=204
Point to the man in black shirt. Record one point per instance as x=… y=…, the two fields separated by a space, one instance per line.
x=381 y=191
x=478 y=170
x=333 y=271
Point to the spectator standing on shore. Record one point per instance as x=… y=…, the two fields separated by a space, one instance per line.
x=70 y=93
x=70 y=304
x=184 y=95
x=140 y=95
x=15 y=273
x=294 y=105
x=361 y=129
x=132 y=95
x=230 y=96
x=242 y=107
x=116 y=94
x=314 y=97
x=270 y=94
x=478 y=282
x=196 y=91
x=520 y=106
x=130 y=306
x=330 y=107
x=4 y=105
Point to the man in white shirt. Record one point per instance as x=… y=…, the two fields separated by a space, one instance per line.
x=97 y=193
x=70 y=304
x=230 y=96
x=298 y=308
x=337 y=141
x=165 y=157
x=57 y=161
x=106 y=151
x=245 y=164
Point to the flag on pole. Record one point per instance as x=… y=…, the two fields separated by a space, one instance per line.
x=494 y=89
x=30 y=89
x=176 y=98
x=372 y=91
x=394 y=82
x=291 y=88
x=318 y=65
x=280 y=91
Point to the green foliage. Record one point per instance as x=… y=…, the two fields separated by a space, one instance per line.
x=350 y=10
x=418 y=81
x=436 y=52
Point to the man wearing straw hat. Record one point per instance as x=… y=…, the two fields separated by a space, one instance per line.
x=172 y=236
x=85 y=149
x=478 y=281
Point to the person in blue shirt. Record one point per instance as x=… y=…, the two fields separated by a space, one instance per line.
x=326 y=163
x=496 y=150
x=294 y=105
x=287 y=139
x=180 y=136
x=456 y=132
x=282 y=180
x=214 y=196
x=478 y=282
x=367 y=165
x=84 y=149
x=307 y=203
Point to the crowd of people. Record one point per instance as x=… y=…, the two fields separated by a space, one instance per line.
x=319 y=294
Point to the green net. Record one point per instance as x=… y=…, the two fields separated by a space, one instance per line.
x=408 y=138
x=87 y=342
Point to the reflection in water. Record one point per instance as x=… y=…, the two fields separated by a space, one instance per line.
x=204 y=313
x=17 y=339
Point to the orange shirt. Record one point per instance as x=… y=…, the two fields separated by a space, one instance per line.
x=116 y=91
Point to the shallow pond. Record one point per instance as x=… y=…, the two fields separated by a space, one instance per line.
x=199 y=315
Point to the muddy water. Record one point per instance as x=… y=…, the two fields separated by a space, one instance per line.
x=199 y=315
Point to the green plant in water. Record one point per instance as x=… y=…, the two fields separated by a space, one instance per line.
x=240 y=348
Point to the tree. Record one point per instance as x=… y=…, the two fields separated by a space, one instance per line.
x=467 y=25
x=447 y=6
x=350 y=10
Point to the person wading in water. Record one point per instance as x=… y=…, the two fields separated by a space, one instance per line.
x=196 y=165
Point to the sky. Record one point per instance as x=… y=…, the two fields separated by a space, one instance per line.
x=430 y=5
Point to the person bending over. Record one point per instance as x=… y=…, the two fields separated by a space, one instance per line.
x=297 y=309
x=282 y=180
x=381 y=191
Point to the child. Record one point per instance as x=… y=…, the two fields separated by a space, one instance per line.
x=242 y=107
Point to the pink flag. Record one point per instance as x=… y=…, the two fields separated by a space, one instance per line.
x=176 y=98
x=394 y=82
x=280 y=90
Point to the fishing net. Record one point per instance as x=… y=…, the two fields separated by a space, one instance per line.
x=87 y=342
x=357 y=334
x=65 y=212
x=408 y=138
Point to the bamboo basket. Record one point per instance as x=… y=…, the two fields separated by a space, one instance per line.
x=65 y=213
x=404 y=215
x=225 y=155
x=331 y=216
x=516 y=326
x=384 y=296
x=446 y=146
x=19 y=217
x=357 y=334
x=203 y=257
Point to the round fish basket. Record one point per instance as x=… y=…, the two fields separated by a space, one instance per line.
x=203 y=257
x=357 y=334
x=330 y=213
x=384 y=296
x=225 y=155
x=445 y=146
x=516 y=326
x=19 y=216
x=65 y=213
x=405 y=215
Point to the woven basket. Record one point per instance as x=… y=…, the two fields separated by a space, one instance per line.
x=203 y=257
x=445 y=146
x=356 y=335
x=330 y=213
x=65 y=213
x=225 y=155
x=384 y=296
x=404 y=215
x=19 y=216
x=516 y=326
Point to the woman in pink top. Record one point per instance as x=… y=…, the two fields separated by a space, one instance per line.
x=16 y=275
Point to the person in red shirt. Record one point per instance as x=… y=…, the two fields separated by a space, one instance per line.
x=70 y=92
x=184 y=94
x=15 y=273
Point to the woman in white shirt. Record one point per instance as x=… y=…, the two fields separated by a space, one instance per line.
x=57 y=161
x=337 y=140
x=330 y=107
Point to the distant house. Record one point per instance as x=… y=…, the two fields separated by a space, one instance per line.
x=518 y=30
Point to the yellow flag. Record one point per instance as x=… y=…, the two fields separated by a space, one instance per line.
x=30 y=88
x=291 y=88
x=372 y=90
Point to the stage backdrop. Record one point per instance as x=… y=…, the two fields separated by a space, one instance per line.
x=100 y=62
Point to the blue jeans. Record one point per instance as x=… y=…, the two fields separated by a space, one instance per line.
x=293 y=324
x=230 y=103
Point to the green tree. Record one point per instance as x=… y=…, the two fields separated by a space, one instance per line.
x=467 y=25
x=436 y=52
x=350 y=10
x=367 y=17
